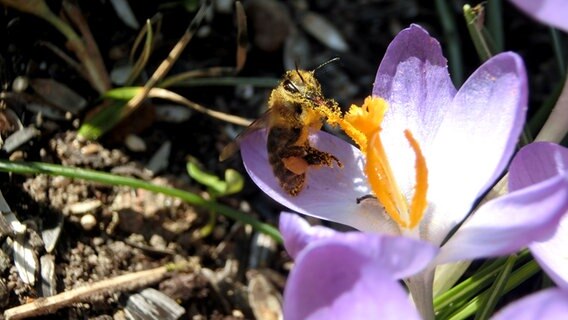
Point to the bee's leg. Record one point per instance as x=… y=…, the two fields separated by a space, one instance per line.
x=289 y=167
x=293 y=183
x=315 y=157
x=293 y=159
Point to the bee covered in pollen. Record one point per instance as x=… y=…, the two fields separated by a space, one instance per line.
x=297 y=108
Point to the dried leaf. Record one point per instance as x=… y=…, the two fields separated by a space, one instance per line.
x=125 y=13
x=9 y=223
x=59 y=94
x=151 y=304
x=159 y=160
x=172 y=113
x=51 y=229
x=48 y=279
x=25 y=260
x=18 y=138
x=324 y=31
x=264 y=299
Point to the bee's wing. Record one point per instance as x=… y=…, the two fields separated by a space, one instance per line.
x=234 y=146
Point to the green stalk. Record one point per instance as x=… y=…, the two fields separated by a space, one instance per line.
x=517 y=277
x=469 y=287
x=496 y=290
x=74 y=41
x=495 y=24
x=453 y=41
x=111 y=179
x=481 y=46
x=558 y=50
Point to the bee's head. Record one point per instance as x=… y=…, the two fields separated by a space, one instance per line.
x=302 y=84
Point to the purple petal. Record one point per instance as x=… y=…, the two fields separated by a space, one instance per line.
x=537 y=162
x=413 y=78
x=550 y=12
x=546 y=304
x=298 y=233
x=401 y=256
x=467 y=138
x=476 y=139
x=354 y=288
x=550 y=254
x=330 y=193
x=506 y=224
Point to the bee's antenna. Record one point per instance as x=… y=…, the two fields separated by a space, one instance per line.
x=326 y=63
x=299 y=73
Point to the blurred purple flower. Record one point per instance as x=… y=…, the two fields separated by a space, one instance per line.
x=535 y=165
x=550 y=12
x=349 y=275
x=547 y=304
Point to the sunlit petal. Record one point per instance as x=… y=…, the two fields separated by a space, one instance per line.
x=546 y=304
x=475 y=140
x=535 y=163
x=400 y=256
x=413 y=78
x=298 y=233
x=550 y=12
x=354 y=288
x=330 y=193
x=509 y=223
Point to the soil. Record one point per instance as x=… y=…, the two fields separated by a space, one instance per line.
x=108 y=231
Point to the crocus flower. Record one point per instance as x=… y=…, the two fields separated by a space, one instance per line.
x=550 y=12
x=349 y=275
x=367 y=263
x=427 y=152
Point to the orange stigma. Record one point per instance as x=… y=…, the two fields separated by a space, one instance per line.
x=363 y=125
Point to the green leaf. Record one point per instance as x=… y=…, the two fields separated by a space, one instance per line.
x=474 y=21
x=115 y=180
x=105 y=118
x=123 y=94
x=234 y=180
x=214 y=183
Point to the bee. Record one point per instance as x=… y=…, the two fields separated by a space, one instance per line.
x=294 y=112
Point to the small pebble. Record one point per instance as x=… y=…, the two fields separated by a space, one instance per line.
x=134 y=143
x=88 y=222
x=157 y=242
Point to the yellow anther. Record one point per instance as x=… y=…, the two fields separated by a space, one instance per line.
x=419 y=201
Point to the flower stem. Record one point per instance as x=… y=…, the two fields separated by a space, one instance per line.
x=495 y=24
x=517 y=277
x=474 y=21
x=496 y=290
x=556 y=126
x=469 y=287
x=558 y=50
